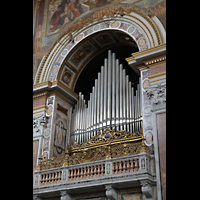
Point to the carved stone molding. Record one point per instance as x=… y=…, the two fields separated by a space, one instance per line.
x=146 y=189
x=65 y=196
x=111 y=193
x=35 y=197
x=157 y=95
x=38 y=124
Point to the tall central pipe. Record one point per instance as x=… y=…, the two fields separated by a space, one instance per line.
x=105 y=93
x=109 y=89
x=120 y=96
x=101 y=99
x=113 y=106
x=117 y=96
x=124 y=99
x=98 y=100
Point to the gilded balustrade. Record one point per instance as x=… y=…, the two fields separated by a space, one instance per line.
x=109 y=144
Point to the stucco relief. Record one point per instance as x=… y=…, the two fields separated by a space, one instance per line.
x=157 y=95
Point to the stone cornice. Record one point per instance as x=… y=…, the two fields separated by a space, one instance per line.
x=92 y=182
x=48 y=87
x=147 y=58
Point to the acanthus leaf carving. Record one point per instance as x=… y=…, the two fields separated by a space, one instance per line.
x=157 y=95
x=38 y=123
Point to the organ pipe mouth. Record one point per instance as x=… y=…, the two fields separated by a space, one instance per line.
x=112 y=104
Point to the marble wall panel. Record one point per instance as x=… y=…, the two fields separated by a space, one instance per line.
x=39 y=102
x=161 y=123
x=60 y=128
x=46 y=144
x=146 y=101
x=104 y=25
x=90 y=195
x=124 y=26
x=145 y=74
x=147 y=122
x=123 y=194
x=59 y=60
x=35 y=151
x=88 y=31
x=157 y=69
x=134 y=196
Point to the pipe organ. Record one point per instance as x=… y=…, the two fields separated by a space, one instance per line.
x=112 y=104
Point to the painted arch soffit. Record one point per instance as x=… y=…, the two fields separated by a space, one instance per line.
x=141 y=28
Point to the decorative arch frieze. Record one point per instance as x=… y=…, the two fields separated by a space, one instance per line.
x=139 y=26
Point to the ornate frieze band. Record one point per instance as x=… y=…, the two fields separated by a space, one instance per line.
x=132 y=30
x=110 y=144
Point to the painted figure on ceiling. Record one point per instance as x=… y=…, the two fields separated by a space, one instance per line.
x=100 y=3
x=62 y=10
x=54 y=19
x=52 y=7
x=77 y=5
x=58 y=17
x=75 y=10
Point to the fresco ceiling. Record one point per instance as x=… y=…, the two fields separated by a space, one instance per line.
x=53 y=16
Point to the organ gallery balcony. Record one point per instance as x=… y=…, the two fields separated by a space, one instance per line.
x=113 y=157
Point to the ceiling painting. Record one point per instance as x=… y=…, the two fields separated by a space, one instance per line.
x=81 y=53
x=53 y=16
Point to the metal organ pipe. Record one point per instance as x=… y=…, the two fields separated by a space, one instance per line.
x=127 y=105
x=124 y=98
x=120 y=96
x=140 y=85
x=95 y=107
x=98 y=99
x=112 y=104
x=109 y=89
x=105 y=94
x=117 y=95
x=113 y=91
x=101 y=99
x=130 y=108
